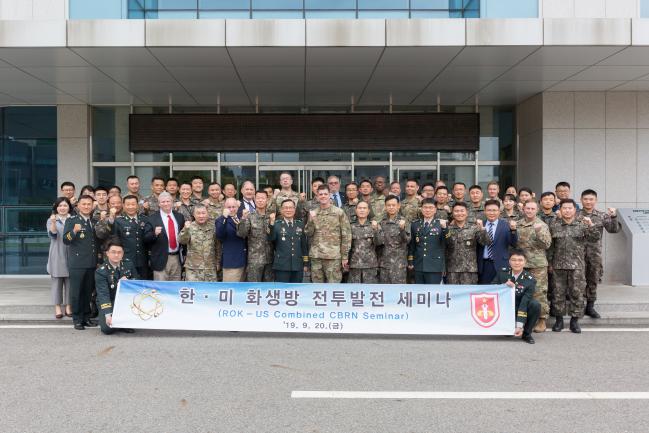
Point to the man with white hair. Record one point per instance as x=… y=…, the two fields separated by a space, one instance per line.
x=161 y=236
x=234 y=247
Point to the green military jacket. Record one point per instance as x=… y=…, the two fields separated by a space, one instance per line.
x=601 y=221
x=291 y=251
x=365 y=240
x=106 y=279
x=330 y=234
x=254 y=228
x=461 y=247
x=524 y=288
x=568 y=250
x=130 y=232
x=426 y=251
x=410 y=208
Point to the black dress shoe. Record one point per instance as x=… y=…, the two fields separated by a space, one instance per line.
x=90 y=323
x=79 y=326
x=574 y=325
x=128 y=330
x=590 y=310
x=528 y=338
x=558 y=324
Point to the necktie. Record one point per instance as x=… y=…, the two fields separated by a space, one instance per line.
x=490 y=231
x=171 y=228
x=426 y=225
x=251 y=207
x=336 y=200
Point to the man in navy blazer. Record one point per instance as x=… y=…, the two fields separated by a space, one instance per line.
x=337 y=196
x=234 y=247
x=493 y=257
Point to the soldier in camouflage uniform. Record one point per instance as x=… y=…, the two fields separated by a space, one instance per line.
x=254 y=228
x=201 y=261
x=313 y=204
x=375 y=201
x=462 y=240
x=351 y=200
x=511 y=212
x=476 y=205
x=150 y=204
x=441 y=201
x=213 y=202
x=101 y=203
x=569 y=238
x=330 y=234
x=197 y=190
x=534 y=239
x=602 y=221
x=184 y=205
x=411 y=205
x=366 y=237
x=278 y=197
x=547 y=215
x=393 y=261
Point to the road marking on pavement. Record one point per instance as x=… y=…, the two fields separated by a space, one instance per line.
x=615 y=329
x=399 y=395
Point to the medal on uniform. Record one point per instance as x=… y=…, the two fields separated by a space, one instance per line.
x=128 y=233
x=283 y=238
x=82 y=235
x=112 y=286
x=417 y=239
x=468 y=243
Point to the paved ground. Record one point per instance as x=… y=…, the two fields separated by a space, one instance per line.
x=61 y=380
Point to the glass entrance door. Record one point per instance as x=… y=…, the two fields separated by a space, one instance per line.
x=423 y=174
x=185 y=174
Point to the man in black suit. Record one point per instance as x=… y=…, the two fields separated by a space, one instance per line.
x=503 y=233
x=161 y=236
x=337 y=197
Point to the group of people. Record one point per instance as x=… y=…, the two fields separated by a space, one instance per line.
x=549 y=249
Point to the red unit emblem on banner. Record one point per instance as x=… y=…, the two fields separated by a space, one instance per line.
x=485 y=308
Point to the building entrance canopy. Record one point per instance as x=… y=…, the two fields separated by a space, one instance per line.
x=317 y=63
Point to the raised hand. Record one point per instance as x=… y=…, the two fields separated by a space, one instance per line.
x=512 y=225
x=443 y=223
x=158 y=230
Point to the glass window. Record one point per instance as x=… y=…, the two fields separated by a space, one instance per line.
x=463 y=173
x=644 y=8
x=195 y=156
x=498 y=123
x=279 y=157
x=370 y=172
x=31 y=219
x=382 y=4
x=330 y=4
x=96 y=9
x=422 y=176
x=152 y=157
x=382 y=14
x=29 y=171
x=109 y=176
x=430 y=14
x=224 y=4
x=146 y=173
x=238 y=175
x=504 y=174
x=326 y=156
x=25 y=254
x=185 y=176
x=29 y=122
x=277 y=14
x=110 y=134
x=277 y=4
x=239 y=157
x=345 y=176
x=237 y=15
x=331 y=14
x=457 y=156
x=372 y=156
x=172 y=14
x=429 y=4
x=415 y=156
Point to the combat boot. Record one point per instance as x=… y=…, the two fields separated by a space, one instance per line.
x=590 y=310
x=574 y=325
x=540 y=326
x=558 y=324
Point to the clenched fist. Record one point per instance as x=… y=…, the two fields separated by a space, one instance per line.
x=538 y=227
x=187 y=224
x=113 y=212
x=76 y=228
x=512 y=225
x=443 y=223
x=271 y=218
x=146 y=205
x=102 y=215
x=480 y=224
x=375 y=225
x=402 y=224
x=588 y=221
x=158 y=230
x=313 y=213
x=612 y=211
x=226 y=212
x=245 y=213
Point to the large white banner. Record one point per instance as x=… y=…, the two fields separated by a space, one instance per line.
x=327 y=308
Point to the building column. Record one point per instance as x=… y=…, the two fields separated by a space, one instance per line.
x=73 y=144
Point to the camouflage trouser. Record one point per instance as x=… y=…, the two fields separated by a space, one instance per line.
x=200 y=275
x=571 y=283
x=326 y=271
x=541 y=292
x=367 y=276
x=259 y=272
x=551 y=286
x=394 y=275
x=461 y=278
x=593 y=274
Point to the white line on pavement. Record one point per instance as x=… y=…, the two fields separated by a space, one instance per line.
x=398 y=395
x=36 y=326
x=615 y=329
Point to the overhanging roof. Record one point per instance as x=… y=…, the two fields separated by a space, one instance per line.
x=317 y=62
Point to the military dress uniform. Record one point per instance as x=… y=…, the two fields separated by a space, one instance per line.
x=330 y=239
x=594 y=268
x=201 y=259
x=106 y=279
x=461 y=252
x=535 y=245
x=567 y=258
x=82 y=262
x=427 y=251
x=259 y=267
x=527 y=308
x=130 y=231
x=291 y=252
x=363 y=260
x=393 y=260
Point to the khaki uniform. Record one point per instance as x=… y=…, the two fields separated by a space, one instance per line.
x=535 y=244
x=200 y=264
x=330 y=238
